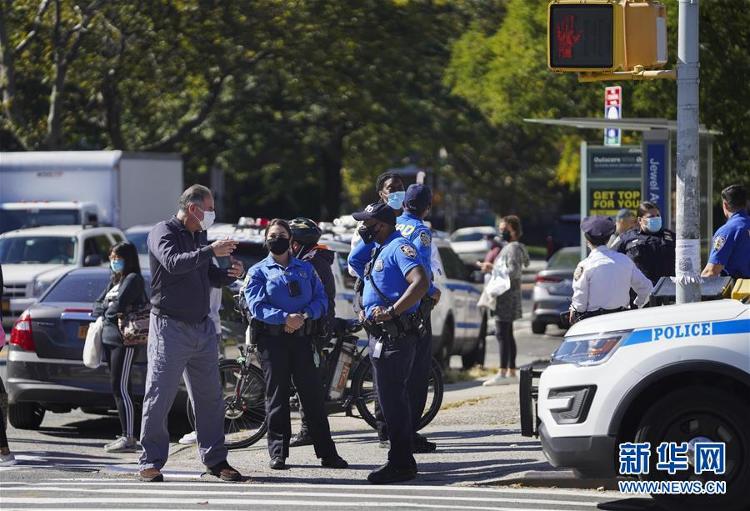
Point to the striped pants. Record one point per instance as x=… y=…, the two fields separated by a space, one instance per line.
x=120 y=363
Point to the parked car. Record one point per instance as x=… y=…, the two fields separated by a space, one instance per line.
x=33 y=258
x=459 y=327
x=472 y=243
x=553 y=290
x=45 y=368
x=138 y=236
x=566 y=232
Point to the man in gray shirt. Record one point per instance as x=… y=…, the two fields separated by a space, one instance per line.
x=182 y=338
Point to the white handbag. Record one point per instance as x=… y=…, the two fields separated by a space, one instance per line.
x=499 y=283
x=92 y=348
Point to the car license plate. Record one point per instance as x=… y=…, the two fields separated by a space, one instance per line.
x=6 y=306
x=82 y=331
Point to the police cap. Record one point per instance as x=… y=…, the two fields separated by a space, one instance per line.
x=418 y=197
x=597 y=226
x=378 y=211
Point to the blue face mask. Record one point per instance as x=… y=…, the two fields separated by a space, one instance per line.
x=653 y=224
x=117 y=265
x=396 y=199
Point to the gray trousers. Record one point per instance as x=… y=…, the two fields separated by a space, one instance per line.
x=179 y=349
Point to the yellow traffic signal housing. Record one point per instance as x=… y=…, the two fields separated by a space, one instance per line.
x=606 y=35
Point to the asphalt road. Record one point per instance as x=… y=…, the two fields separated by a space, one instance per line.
x=482 y=463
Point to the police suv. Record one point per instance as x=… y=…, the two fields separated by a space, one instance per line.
x=656 y=385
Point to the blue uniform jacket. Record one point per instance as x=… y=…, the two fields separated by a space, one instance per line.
x=413 y=228
x=267 y=291
x=396 y=259
x=360 y=256
x=731 y=246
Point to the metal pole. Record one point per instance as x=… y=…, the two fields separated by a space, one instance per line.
x=687 y=262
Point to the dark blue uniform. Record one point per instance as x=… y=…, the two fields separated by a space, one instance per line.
x=392 y=359
x=272 y=293
x=653 y=253
x=731 y=246
x=414 y=229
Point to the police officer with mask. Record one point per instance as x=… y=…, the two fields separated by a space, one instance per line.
x=285 y=297
x=602 y=282
x=651 y=246
x=394 y=284
x=730 y=253
x=305 y=237
x=410 y=224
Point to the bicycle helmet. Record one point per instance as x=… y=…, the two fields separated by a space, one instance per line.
x=305 y=231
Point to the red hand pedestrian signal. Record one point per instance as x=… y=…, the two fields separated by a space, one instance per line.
x=567 y=37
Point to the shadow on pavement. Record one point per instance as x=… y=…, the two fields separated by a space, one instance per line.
x=632 y=504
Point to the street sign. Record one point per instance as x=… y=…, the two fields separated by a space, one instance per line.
x=612 y=110
x=656 y=172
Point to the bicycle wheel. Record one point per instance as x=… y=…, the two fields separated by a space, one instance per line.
x=363 y=391
x=244 y=392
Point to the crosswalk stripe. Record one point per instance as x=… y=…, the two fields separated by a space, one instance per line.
x=309 y=486
x=219 y=502
x=239 y=492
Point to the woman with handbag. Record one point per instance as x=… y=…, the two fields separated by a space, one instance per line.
x=125 y=293
x=510 y=263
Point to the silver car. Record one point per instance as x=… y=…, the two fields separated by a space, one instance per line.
x=553 y=290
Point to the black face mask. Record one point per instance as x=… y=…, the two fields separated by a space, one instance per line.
x=367 y=234
x=278 y=246
x=506 y=235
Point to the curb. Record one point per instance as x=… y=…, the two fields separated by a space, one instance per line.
x=554 y=479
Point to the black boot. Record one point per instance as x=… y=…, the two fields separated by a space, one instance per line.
x=300 y=439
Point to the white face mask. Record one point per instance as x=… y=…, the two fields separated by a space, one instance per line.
x=208 y=219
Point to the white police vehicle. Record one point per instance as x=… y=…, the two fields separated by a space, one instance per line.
x=677 y=373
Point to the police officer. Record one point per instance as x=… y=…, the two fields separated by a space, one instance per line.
x=602 y=281
x=394 y=284
x=305 y=237
x=284 y=297
x=624 y=222
x=730 y=254
x=650 y=246
x=410 y=224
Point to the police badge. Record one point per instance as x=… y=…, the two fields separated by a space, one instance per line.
x=408 y=251
x=378 y=265
x=719 y=242
x=425 y=238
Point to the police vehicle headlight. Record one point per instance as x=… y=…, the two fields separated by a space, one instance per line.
x=588 y=350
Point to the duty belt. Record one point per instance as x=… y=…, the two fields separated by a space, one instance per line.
x=578 y=316
x=397 y=328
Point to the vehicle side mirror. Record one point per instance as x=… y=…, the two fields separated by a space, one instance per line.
x=92 y=260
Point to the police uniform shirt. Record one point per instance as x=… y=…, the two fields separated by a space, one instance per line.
x=268 y=291
x=396 y=258
x=731 y=246
x=413 y=228
x=603 y=281
x=359 y=257
x=653 y=253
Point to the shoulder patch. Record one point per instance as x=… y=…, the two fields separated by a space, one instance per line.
x=425 y=239
x=719 y=242
x=408 y=250
x=578 y=273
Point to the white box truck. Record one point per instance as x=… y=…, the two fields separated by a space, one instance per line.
x=87 y=187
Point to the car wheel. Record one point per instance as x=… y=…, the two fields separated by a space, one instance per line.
x=538 y=327
x=476 y=356
x=446 y=344
x=25 y=415
x=700 y=414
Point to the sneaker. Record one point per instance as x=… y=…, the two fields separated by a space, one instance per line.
x=300 y=439
x=498 y=379
x=188 y=438
x=122 y=444
x=7 y=460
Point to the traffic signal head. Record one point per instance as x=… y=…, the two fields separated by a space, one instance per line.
x=605 y=35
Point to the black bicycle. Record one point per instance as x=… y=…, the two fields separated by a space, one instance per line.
x=347 y=384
